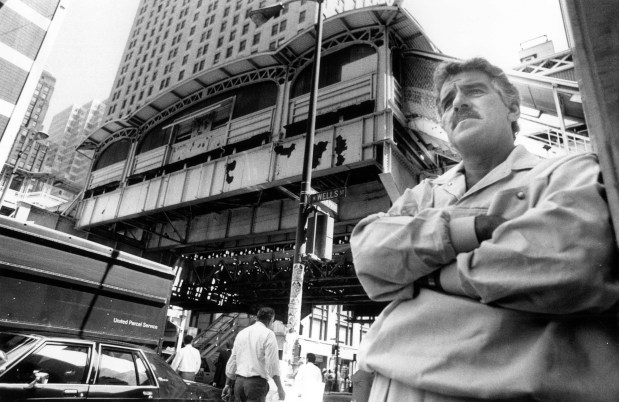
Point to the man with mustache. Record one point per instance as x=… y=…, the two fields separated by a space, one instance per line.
x=501 y=272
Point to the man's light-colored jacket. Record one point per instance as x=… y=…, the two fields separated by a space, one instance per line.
x=538 y=319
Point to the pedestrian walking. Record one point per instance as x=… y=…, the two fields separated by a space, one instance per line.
x=187 y=361
x=308 y=382
x=253 y=361
x=219 y=380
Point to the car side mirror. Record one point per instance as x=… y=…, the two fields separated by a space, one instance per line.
x=40 y=377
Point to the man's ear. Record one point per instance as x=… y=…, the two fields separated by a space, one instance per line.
x=514 y=112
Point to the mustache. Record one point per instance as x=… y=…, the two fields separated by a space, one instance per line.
x=463 y=115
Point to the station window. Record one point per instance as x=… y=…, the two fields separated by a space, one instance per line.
x=348 y=63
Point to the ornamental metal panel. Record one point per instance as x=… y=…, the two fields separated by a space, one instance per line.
x=216 y=225
x=334 y=97
x=153 y=188
x=175 y=188
x=290 y=214
x=107 y=174
x=133 y=200
x=348 y=140
x=247 y=169
x=218 y=176
x=105 y=207
x=289 y=158
x=193 y=183
x=323 y=149
x=86 y=210
x=149 y=160
x=240 y=222
x=266 y=218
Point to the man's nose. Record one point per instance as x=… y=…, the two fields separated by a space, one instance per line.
x=460 y=100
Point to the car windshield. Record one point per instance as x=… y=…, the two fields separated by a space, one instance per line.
x=12 y=345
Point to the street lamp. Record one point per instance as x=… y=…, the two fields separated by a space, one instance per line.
x=39 y=135
x=260 y=16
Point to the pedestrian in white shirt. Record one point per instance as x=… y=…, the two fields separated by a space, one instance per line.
x=308 y=381
x=188 y=360
x=253 y=360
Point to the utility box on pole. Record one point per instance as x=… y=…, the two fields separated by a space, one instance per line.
x=320 y=235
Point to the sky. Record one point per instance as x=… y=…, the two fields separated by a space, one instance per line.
x=87 y=51
x=88 y=48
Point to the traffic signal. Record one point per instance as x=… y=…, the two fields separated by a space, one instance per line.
x=334 y=349
x=320 y=235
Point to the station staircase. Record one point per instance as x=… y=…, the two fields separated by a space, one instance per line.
x=220 y=331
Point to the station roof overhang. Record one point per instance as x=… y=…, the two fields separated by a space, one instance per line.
x=542 y=96
x=537 y=94
x=399 y=20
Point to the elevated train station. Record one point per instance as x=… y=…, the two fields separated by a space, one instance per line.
x=206 y=176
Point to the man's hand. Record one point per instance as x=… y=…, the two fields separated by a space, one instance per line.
x=225 y=394
x=485 y=225
x=281 y=393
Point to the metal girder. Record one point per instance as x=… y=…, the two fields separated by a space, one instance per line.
x=270 y=73
x=265 y=277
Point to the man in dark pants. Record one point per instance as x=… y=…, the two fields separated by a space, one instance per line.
x=253 y=360
x=220 y=366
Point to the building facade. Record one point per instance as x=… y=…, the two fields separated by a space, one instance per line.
x=334 y=337
x=67 y=131
x=171 y=41
x=29 y=149
x=29 y=29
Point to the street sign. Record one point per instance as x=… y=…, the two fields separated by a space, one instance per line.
x=327 y=195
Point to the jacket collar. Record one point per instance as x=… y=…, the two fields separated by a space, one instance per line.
x=519 y=159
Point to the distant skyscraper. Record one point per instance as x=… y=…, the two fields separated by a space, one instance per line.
x=27 y=30
x=27 y=152
x=33 y=152
x=174 y=40
x=67 y=130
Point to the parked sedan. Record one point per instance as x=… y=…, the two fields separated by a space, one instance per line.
x=53 y=368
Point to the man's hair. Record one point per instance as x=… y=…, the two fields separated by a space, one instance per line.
x=507 y=91
x=311 y=358
x=187 y=339
x=265 y=314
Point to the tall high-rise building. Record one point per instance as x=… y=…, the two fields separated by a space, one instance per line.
x=171 y=41
x=27 y=31
x=32 y=152
x=27 y=151
x=67 y=130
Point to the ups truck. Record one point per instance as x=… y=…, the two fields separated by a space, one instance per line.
x=81 y=320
